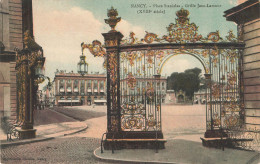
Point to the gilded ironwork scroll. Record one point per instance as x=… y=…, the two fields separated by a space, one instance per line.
x=134 y=67
x=182 y=31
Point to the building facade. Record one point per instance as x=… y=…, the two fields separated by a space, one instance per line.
x=139 y=85
x=21 y=60
x=200 y=97
x=75 y=89
x=170 y=97
x=12 y=26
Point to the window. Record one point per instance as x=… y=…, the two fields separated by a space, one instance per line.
x=82 y=87
x=95 y=86
x=62 y=89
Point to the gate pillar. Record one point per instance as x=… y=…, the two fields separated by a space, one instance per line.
x=116 y=138
x=112 y=42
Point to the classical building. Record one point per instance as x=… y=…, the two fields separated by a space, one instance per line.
x=170 y=97
x=21 y=62
x=15 y=19
x=130 y=84
x=75 y=89
x=11 y=30
x=200 y=97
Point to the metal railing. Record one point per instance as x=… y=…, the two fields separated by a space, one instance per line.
x=12 y=131
x=245 y=138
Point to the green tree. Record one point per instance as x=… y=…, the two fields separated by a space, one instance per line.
x=188 y=81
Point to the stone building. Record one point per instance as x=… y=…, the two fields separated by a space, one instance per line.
x=21 y=60
x=246 y=16
x=138 y=85
x=75 y=89
x=15 y=18
x=200 y=96
x=170 y=97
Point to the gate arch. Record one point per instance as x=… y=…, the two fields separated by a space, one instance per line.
x=134 y=108
x=170 y=56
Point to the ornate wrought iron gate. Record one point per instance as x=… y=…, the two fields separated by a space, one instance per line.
x=133 y=79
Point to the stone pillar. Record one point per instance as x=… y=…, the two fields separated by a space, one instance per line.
x=72 y=87
x=98 y=83
x=85 y=87
x=57 y=86
x=65 y=87
x=92 y=87
x=246 y=15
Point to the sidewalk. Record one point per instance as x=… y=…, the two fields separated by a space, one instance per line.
x=181 y=151
x=47 y=132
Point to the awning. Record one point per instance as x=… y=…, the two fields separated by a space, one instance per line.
x=89 y=90
x=101 y=90
x=100 y=101
x=76 y=90
x=95 y=90
x=62 y=90
x=67 y=101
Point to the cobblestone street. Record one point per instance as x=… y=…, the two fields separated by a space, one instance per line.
x=61 y=150
x=78 y=148
x=182 y=125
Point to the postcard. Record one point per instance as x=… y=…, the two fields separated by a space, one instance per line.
x=133 y=81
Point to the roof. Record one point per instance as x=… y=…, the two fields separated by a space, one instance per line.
x=244 y=12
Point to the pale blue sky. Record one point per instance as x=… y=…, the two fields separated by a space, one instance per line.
x=61 y=25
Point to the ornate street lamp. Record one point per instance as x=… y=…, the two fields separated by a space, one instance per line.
x=39 y=71
x=82 y=65
x=30 y=70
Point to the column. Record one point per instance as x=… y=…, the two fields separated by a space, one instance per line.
x=72 y=87
x=65 y=87
x=98 y=86
x=57 y=87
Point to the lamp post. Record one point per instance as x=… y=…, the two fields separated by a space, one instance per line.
x=29 y=67
x=82 y=65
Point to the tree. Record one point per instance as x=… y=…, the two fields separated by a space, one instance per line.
x=188 y=81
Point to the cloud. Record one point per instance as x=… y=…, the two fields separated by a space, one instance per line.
x=60 y=33
x=125 y=28
x=231 y=2
x=180 y=63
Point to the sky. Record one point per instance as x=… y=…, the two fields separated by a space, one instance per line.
x=60 y=26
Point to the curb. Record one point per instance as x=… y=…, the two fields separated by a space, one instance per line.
x=127 y=161
x=40 y=139
x=23 y=142
x=78 y=131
